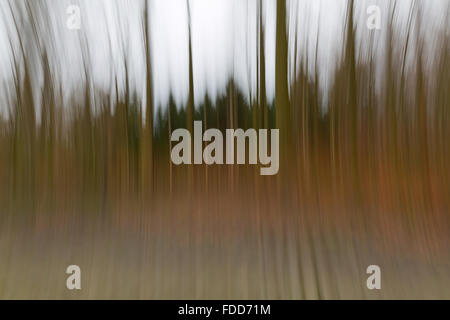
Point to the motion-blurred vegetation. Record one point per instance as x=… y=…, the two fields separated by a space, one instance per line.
x=363 y=157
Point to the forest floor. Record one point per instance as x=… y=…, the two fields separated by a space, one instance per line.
x=181 y=253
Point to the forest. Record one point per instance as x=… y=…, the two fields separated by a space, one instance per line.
x=363 y=163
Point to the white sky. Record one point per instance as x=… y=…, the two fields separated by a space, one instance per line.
x=223 y=35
